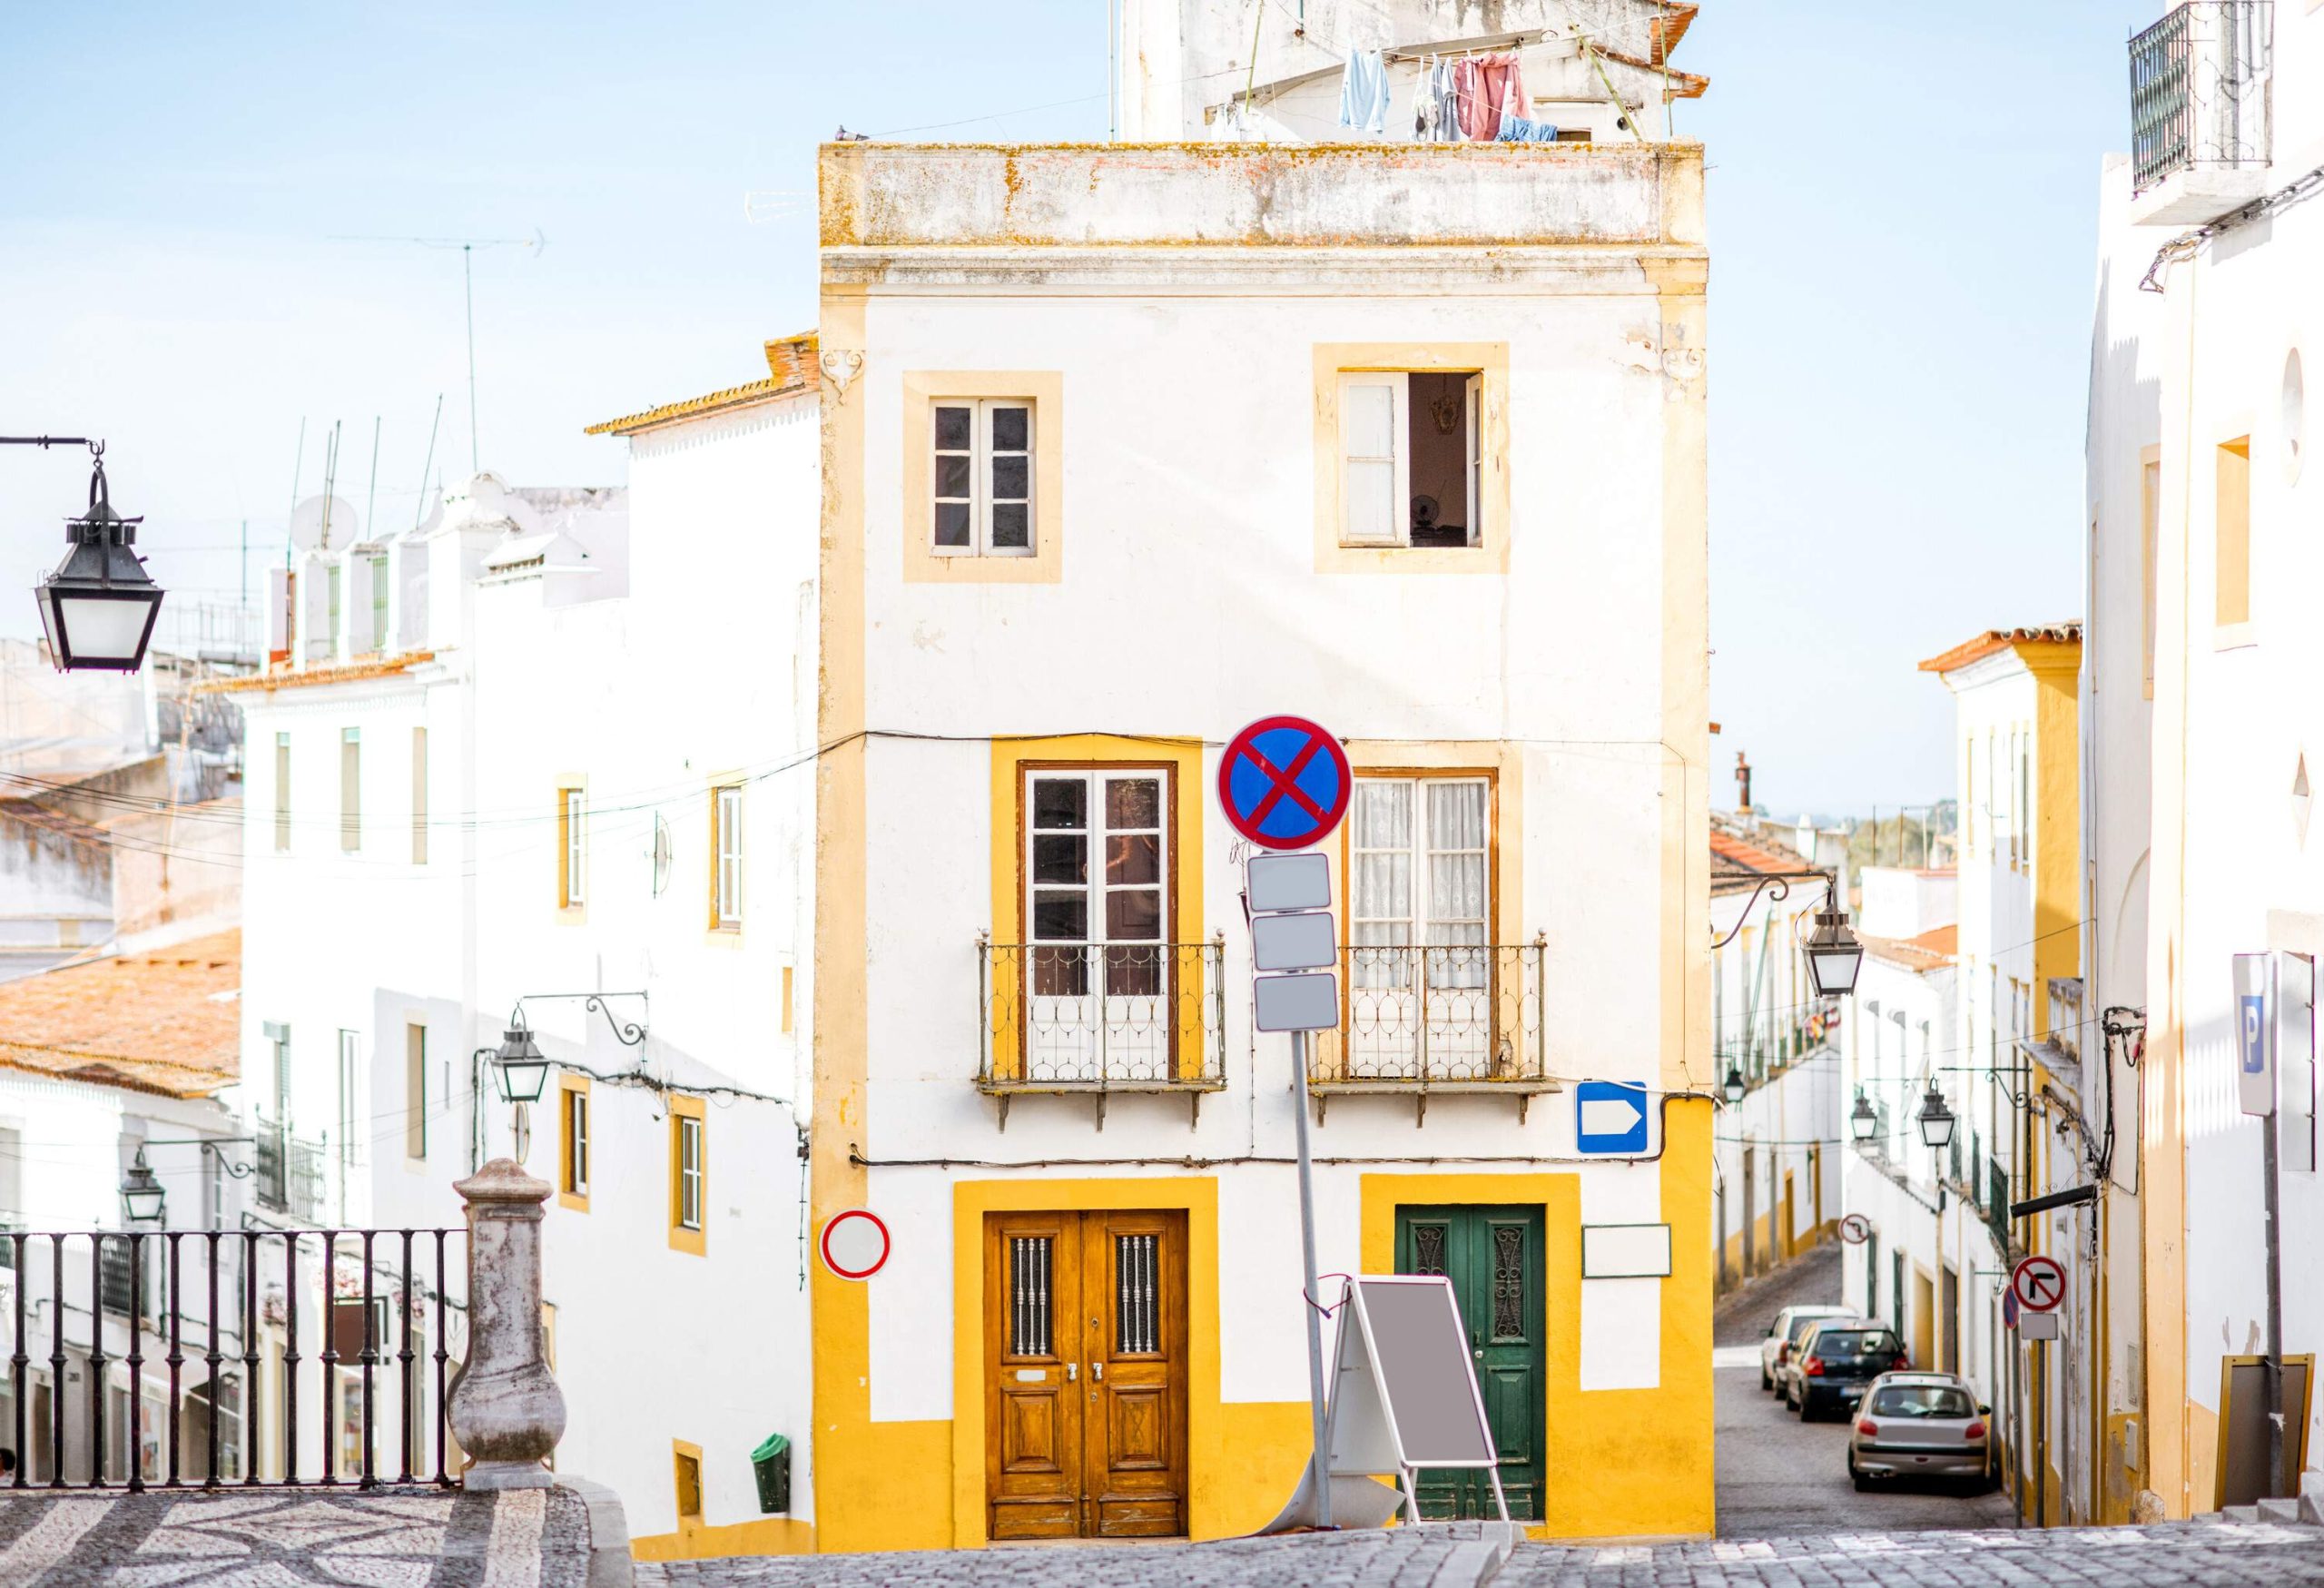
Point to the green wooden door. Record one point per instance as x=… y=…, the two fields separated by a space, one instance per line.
x=1494 y=1257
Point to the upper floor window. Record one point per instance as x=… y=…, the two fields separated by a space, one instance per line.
x=688 y=1174
x=1098 y=871
x=2233 y=521
x=1411 y=458
x=982 y=482
x=726 y=857
x=281 y=794
x=419 y=796
x=350 y=789
x=1418 y=853
x=571 y=848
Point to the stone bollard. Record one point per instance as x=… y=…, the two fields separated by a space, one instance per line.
x=505 y=1411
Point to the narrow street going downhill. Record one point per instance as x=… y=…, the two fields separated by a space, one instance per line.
x=1781 y=1478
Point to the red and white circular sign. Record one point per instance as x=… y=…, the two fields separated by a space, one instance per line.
x=854 y=1243
x=1855 y=1230
x=2039 y=1283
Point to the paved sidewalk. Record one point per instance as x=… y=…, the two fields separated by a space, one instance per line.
x=2175 y=1555
x=1453 y=1556
x=405 y=1538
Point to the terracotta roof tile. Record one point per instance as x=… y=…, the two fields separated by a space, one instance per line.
x=2000 y=639
x=167 y=1021
x=312 y=678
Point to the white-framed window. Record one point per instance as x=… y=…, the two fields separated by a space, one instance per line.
x=1411 y=458
x=1097 y=877
x=281 y=794
x=981 y=476
x=577 y=1142
x=726 y=851
x=350 y=789
x=1421 y=878
x=376 y=637
x=572 y=847
x=415 y=1090
x=689 y=1173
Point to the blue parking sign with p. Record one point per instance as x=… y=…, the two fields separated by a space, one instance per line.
x=2253 y=1034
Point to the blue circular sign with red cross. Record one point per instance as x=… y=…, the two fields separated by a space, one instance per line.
x=1284 y=782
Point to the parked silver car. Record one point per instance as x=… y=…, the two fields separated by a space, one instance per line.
x=1784 y=1333
x=1921 y=1424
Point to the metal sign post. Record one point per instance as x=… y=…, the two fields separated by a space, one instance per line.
x=1295 y=952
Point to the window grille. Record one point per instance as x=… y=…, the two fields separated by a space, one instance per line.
x=1028 y=1292
x=1136 y=1310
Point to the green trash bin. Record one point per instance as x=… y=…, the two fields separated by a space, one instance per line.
x=772 y=1462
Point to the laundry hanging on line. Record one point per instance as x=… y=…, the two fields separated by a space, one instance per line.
x=1363 y=93
x=1520 y=130
x=1488 y=89
x=1436 y=112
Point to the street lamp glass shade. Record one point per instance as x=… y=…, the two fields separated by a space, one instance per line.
x=1833 y=955
x=518 y=1069
x=1936 y=1119
x=1862 y=1120
x=142 y=1196
x=98 y=630
x=1733 y=1086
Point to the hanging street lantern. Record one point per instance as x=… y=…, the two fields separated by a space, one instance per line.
x=1863 y=1122
x=519 y=1069
x=142 y=1197
x=99 y=607
x=1834 y=955
x=1733 y=1086
x=1936 y=1119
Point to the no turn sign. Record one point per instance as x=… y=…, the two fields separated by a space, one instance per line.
x=2039 y=1283
x=1855 y=1230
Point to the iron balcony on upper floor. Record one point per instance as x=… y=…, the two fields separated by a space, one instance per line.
x=1103 y=1018
x=2201 y=126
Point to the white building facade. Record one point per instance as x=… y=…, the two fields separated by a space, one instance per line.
x=2202 y=501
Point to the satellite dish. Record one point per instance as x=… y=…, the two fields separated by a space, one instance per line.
x=661 y=855
x=325 y=523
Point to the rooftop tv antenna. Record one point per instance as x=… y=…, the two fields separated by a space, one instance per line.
x=468 y=247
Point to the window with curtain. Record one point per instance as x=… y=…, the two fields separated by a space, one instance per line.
x=1420 y=889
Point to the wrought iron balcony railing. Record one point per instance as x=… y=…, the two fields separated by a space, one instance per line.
x=1101 y=1017
x=2199 y=89
x=1444 y=1017
x=290 y=1173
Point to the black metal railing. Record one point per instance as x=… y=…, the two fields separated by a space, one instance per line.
x=1144 y=1014
x=1444 y=1012
x=2199 y=80
x=223 y=1313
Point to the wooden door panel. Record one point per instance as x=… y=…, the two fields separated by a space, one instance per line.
x=1133 y=1292
x=1493 y=1258
x=1033 y=1412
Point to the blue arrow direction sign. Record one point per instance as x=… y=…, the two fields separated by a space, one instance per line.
x=1610 y=1117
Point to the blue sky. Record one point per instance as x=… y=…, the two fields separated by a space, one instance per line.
x=1901 y=211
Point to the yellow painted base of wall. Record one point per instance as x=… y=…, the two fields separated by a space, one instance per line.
x=1617 y=1464
x=768 y=1535
x=2202 y=1463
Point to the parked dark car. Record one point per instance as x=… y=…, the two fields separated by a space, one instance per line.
x=1922 y=1424
x=1836 y=1360
x=1784 y=1333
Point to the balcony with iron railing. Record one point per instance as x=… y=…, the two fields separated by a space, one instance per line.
x=1100 y=1020
x=1095 y=1020
x=287 y=1173
x=2201 y=126
x=1436 y=1018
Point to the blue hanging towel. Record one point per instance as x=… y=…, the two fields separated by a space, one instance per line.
x=1363 y=93
x=1519 y=130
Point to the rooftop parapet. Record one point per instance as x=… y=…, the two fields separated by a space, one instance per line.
x=880 y=196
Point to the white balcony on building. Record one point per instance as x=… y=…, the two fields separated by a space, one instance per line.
x=2201 y=124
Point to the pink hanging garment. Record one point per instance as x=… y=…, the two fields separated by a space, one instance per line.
x=1479 y=122
x=1503 y=92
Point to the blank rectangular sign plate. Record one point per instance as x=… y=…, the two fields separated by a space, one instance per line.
x=1294 y=943
x=2038 y=1326
x=1288 y=881
x=1625 y=1251
x=1296 y=1003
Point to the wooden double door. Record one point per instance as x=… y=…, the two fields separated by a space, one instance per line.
x=1494 y=1257
x=1084 y=1341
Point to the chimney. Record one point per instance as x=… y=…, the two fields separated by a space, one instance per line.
x=1742 y=783
x=791 y=360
